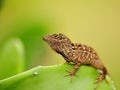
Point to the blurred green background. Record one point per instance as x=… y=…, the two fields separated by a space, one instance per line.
x=95 y=23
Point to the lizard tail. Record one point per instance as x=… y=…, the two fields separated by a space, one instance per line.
x=105 y=72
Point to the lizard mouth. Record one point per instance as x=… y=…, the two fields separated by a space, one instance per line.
x=45 y=38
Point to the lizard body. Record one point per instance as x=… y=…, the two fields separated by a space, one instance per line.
x=76 y=53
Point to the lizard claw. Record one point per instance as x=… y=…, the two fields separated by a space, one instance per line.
x=71 y=72
x=96 y=83
x=68 y=70
x=99 y=79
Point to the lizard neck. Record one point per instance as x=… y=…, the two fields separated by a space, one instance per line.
x=64 y=49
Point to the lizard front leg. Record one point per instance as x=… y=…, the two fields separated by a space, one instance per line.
x=73 y=71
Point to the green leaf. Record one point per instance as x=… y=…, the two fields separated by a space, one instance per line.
x=53 y=78
x=12 y=58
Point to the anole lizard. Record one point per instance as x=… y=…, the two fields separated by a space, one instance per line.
x=76 y=53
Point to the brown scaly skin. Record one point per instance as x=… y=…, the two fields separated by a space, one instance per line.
x=76 y=53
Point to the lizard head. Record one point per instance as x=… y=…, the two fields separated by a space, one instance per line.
x=57 y=41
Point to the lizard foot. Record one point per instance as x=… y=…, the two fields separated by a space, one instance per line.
x=99 y=79
x=71 y=72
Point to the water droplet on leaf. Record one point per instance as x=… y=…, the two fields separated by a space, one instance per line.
x=35 y=73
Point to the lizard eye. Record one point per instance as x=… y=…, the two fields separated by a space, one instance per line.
x=72 y=44
x=55 y=35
